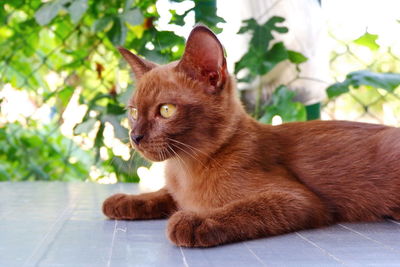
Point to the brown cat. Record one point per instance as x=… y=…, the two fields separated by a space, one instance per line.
x=230 y=178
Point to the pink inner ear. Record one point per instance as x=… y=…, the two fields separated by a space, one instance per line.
x=205 y=51
x=204 y=57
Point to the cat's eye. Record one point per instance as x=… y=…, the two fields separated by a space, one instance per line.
x=167 y=110
x=134 y=113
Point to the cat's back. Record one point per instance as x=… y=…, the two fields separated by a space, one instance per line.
x=353 y=166
x=336 y=142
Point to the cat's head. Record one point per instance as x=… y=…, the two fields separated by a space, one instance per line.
x=184 y=108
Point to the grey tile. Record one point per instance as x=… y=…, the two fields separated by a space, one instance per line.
x=228 y=255
x=61 y=224
x=291 y=250
x=352 y=248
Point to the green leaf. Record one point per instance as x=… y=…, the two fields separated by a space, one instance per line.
x=166 y=40
x=260 y=58
x=102 y=23
x=85 y=127
x=117 y=34
x=39 y=173
x=3 y=15
x=98 y=142
x=205 y=12
x=368 y=40
x=77 y=9
x=386 y=81
x=296 y=57
x=337 y=89
x=120 y=132
x=128 y=4
x=275 y=55
x=133 y=17
x=262 y=34
x=4 y=175
x=46 y=13
x=115 y=109
x=178 y=19
x=282 y=104
x=65 y=95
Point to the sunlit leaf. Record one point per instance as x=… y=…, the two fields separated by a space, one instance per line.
x=368 y=40
x=65 y=95
x=296 y=57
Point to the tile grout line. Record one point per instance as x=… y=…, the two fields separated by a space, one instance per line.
x=369 y=238
x=112 y=243
x=183 y=258
x=50 y=235
x=322 y=249
x=254 y=254
x=110 y=254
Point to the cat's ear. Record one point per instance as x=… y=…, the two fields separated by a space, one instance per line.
x=204 y=59
x=139 y=65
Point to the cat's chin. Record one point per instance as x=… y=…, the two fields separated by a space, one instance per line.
x=154 y=157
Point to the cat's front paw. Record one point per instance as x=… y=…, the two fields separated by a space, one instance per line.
x=186 y=229
x=124 y=207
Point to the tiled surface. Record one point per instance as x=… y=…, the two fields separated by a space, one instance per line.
x=59 y=224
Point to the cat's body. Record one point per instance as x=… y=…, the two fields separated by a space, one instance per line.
x=231 y=178
x=361 y=161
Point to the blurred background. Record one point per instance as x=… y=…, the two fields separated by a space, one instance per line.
x=63 y=85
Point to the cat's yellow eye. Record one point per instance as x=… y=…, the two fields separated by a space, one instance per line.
x=167 y=110
x=134 y=113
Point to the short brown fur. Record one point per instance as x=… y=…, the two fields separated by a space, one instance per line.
x=230 y=178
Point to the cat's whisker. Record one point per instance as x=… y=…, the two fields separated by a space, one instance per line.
x=164 y=153
x=193 y=151
x=185 y=145
x=180 y=160
x=190 y=155
x=207 y=156
x=194 y=155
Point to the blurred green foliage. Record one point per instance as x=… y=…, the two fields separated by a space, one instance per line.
x=74 y=42
x=282 y=104
x=59 y=49
x=372 y=90
x=34 y=153
x=262 y=56
x=386 y=81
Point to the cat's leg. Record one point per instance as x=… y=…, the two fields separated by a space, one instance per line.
x=153 y=205
x=265 y=214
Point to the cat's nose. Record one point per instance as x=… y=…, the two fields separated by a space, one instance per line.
x=136 y=138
